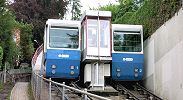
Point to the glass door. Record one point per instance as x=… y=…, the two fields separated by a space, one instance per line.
x=104 y=38
x=92 y=37
x=98 y=37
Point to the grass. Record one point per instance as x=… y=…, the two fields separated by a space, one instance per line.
x=30 y=93
x=1 y=86
x=9 y=94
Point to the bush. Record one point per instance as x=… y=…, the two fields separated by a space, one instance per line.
x=152 y=14
x=1 y=56
x=124 y=18
x=26 y=45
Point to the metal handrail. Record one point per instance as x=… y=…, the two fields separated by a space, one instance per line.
x=74 y=89
x=20 y=71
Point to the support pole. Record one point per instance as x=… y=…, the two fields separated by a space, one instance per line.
x=63 y=91
x=49 y=88
x=41 y=79
x=37 y=86
x=5 y=73
x=85 y=96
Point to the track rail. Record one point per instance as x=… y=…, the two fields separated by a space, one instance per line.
x=127 y=92
x=151 y=96
x=135 y=92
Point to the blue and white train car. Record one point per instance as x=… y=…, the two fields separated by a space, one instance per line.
x=61 y=53
x=127 y=52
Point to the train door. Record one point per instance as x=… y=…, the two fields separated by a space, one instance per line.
x=104 y=39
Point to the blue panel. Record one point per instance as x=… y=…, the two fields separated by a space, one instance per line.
x=124 y=65
x=63 y=54
x=63 y=59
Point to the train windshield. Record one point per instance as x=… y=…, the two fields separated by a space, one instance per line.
x=64 y=37
x=127 y=41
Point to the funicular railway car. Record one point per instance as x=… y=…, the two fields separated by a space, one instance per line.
x=61 y=53
x=127 y=52
x=96 y=48
x=102 y=50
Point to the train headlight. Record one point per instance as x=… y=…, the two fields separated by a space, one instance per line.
x=136 y=70
x=118 y=74
x=53 y=66
x=136 y=75
x=118 y=69
x=72 y=72
x=71 y=67
x=53 y=71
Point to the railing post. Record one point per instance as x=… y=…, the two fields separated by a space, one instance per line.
x=63 y=91
x=32 y=80
x=85 y=96
x=41 y=86
x=151 y=98
x=49 y=88
x=36 y=87
x=5 y=73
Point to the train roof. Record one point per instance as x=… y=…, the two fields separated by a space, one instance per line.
x=125 y=27
x=96 y=13
x=58 y=22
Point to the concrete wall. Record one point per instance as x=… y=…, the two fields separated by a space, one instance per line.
x=164 y=59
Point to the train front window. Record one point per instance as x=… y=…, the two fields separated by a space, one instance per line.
x=64 y=37
x=127 y=42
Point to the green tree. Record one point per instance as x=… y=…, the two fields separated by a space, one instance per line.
x=26 y=45
x=124 y=6
x=1 y=56
x=36 y=12
x=128 y=6
x=7 y=22
x=76 y=12
x=113 y=8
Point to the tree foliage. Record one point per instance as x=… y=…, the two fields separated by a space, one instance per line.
x=26 y=45
x=153 y=14
x=10 y=51
x=149 y=13
x=124 y=19
x=127 y=6
x=1 y=56
x=76 y=9
x=36 y=12
x=7 y=22
x=124 y=6
x=111 y=7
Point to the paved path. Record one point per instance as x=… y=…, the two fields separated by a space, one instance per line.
x=19 y=91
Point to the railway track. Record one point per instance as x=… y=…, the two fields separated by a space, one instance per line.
x=68 y=94
x=134 y=92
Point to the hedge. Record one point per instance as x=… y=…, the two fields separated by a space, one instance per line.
x=124 y=18
x=152 y=15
